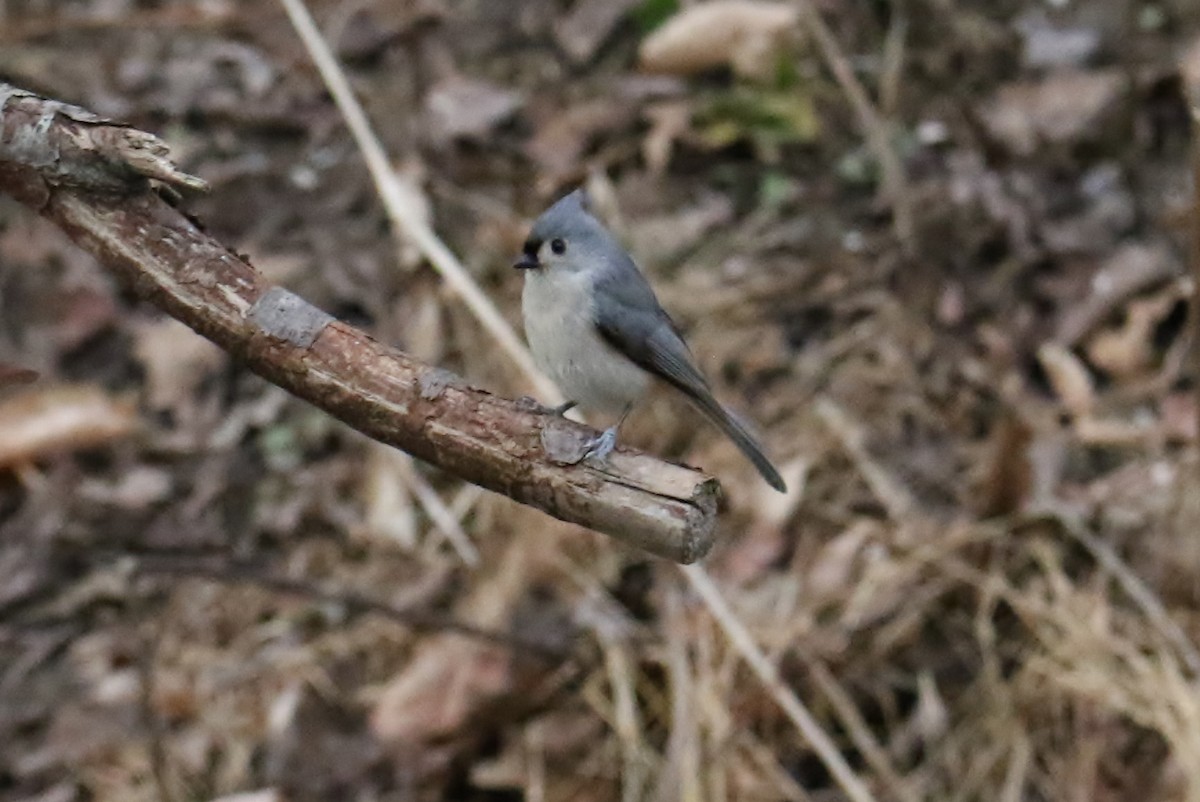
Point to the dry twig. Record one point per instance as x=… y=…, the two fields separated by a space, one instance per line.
x=860 y=732
x=1142 y=595
x=875 y=128
x=887 y=489
x=90 y=177
x=1194 y=255
x=767 y=674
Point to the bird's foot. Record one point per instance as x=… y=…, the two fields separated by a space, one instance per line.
x=603 y=445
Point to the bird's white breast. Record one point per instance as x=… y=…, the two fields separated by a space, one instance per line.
x=560 y=328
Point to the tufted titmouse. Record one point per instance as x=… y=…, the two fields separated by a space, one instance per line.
x=596 y=328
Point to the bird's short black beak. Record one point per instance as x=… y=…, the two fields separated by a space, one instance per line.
x=527 y=261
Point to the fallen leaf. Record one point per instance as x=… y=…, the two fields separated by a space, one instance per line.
x=564 y=135
x=134 y=489
x=669 y=121
x=1069 y=377
x=1178 y=416
x=589 y=23
x=61 y=418
x=664 y=237
x=1108 y=216
x=748 y=36
x=280 y=268
x=1008 y=475
x=1058 y=109
x=435 y=696
x=1128 y=351
x=371 y=28
x=561 y=736
x=63 y=792
x=1049 y=43
x=467 y=108
x=81 y=732
x=176 y=360
x=390 y=513
x=82 y=313
x=12 y=375
x=1110 y=432
x=840 y=561
x=1131 y=269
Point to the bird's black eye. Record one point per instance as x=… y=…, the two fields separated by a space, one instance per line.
x=558 y=246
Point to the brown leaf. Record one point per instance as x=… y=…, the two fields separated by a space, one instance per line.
x=1128 y=351
x=564 y=135
x=1069 y=377
x=176 y=360
x=389 y=511
x=83 y=313
x=12 y=375
x=664 y=237
x=1049 y=42
x=745 y=35
x=669 y=122
x=80 y=732
x=840 y=561
x=1008 y=477
x=590 y=22
x=434 y=698
x=61 y=418
x=1177 y=416
x=1131 y=269
x=136 y=488
x=1058 y=109
x=466 y=108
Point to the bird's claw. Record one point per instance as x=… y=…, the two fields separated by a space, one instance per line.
x=603 y=445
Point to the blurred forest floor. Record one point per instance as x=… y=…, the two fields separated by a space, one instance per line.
x=976 y=373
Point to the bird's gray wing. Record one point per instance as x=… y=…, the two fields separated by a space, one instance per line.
x=630 y=319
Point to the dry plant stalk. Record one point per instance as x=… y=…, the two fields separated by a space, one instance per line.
x=875 y=128
x=90 y=177
x=1194 y=106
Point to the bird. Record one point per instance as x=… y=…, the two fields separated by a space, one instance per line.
x=596 y=328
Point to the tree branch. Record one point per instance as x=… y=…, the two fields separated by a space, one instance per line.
x=92 y=178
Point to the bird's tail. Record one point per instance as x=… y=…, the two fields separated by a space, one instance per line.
x=739 y=433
